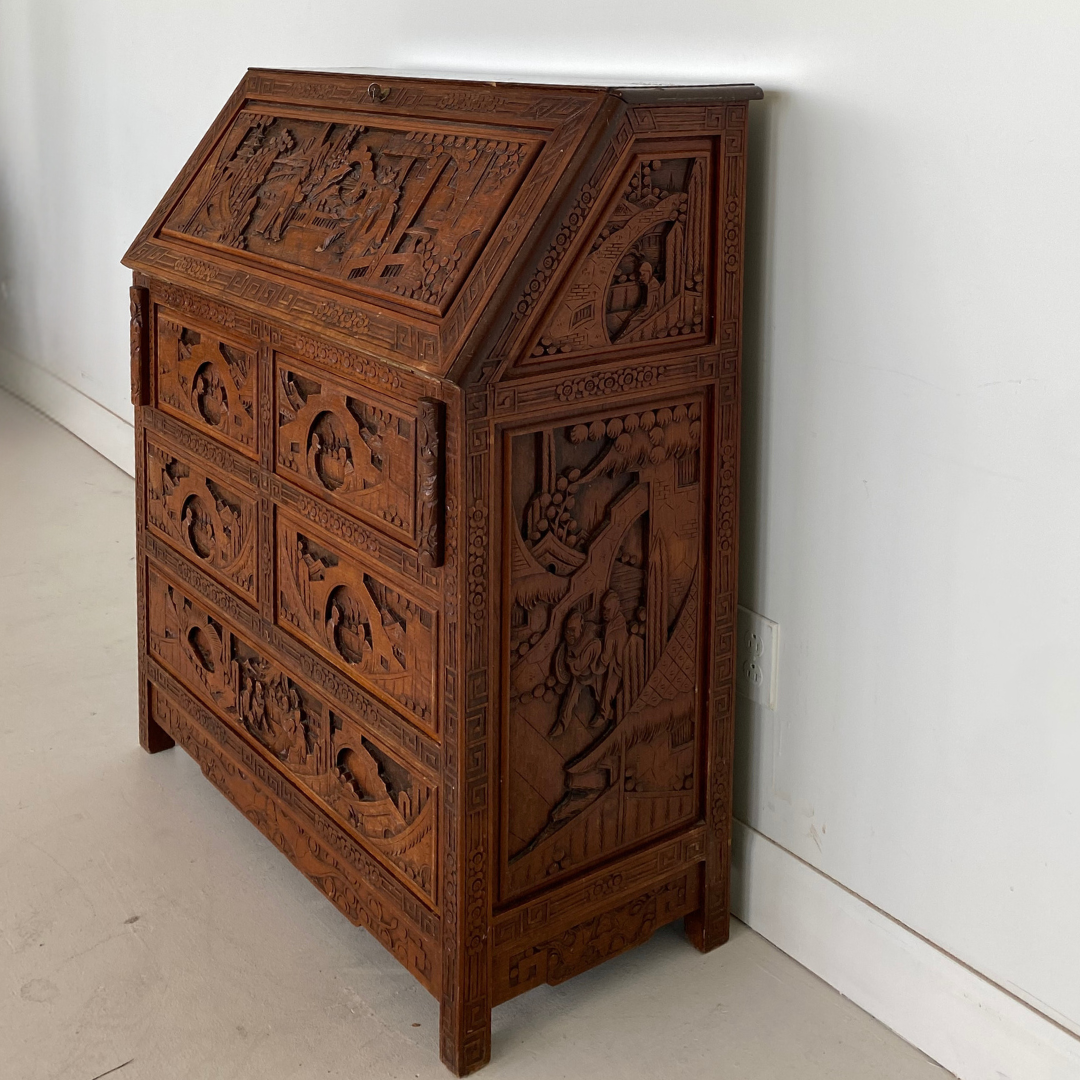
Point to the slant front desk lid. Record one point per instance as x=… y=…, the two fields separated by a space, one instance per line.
x=422 y=220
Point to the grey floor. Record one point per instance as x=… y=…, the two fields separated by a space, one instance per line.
x=146 y=924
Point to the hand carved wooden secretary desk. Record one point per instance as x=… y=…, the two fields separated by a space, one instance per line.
x=437 y=390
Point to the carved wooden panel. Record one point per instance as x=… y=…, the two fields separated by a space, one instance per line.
x=437 y=392
x=644 y=277
x=375 y=457
x=594 y=940
x=402 y=211
x=213 y=520
x=234 y=677
x=207 y=379
x=346 y=610
x=385 y=801
x=605 y=542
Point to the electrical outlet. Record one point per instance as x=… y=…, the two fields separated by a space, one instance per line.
x=756 y=657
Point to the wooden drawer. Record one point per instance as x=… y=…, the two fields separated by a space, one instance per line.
x=209 y=378
x=351 y=612
x=211 y=518
x=375 y=457
x=388 y=804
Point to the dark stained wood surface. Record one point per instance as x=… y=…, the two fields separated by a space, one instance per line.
x=437 y=390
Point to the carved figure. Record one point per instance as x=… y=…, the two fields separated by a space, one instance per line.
x=577 y=665
x=611 y=531
x=394 y=212
x=644 y=277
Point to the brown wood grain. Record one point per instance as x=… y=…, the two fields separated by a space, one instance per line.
x=437 y=413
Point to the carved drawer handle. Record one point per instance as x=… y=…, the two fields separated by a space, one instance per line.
x=140 y=347
x=430 y=487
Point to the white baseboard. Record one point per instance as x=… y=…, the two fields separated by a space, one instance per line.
x=962 y=1020
x=110 y=435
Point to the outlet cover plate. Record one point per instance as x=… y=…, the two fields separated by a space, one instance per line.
x=757 y=657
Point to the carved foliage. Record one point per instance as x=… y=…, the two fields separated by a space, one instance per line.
x=208 y=519
x=351 y=448
x=232 y=675
x=208 y=380
x=386 y=640
x=644 y=276
x=404 y=212
x=605 y=538
x=386 y=802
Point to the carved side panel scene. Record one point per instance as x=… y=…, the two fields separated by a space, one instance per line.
x=207 y=519
x=385 y=639
x=347 y=446
x=403 y=212
x=385 y=802
x=605 y=577
x=644 y=277
x=206 y=380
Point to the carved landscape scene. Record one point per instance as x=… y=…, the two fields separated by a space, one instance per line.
x=234 y=676
x=605 y=539
x=404 y=212
x=384 y=801
x=644 y=276
x=348 y=447
x=202 y=517
x=384 y=639
x=207 y=380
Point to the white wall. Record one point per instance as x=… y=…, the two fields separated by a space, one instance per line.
x=912 y=451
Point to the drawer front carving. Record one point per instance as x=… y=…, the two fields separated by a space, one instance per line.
x=208 y=380
x=605 y=529
x=232 y=675
x=345 y=610
x=379 y=459
x=387 y=804
x=211 y=520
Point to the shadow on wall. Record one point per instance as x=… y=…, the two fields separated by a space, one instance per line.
x=756 y=373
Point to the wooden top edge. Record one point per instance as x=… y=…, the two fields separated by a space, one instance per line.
x=633 y=93
x=687 y=95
